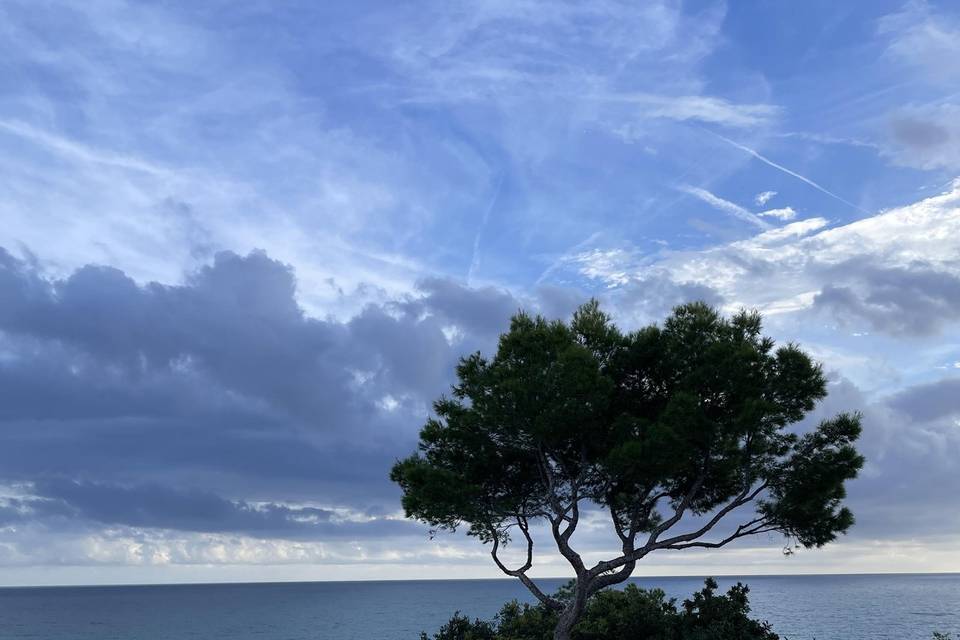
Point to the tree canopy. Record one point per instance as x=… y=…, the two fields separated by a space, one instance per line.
x=672 y=426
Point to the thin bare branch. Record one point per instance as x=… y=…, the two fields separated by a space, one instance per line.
x=521 y=573
x=681 y=507
x=652 y=544
x=743 y=498
x=754 y=527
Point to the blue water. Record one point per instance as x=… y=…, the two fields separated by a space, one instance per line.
x=874 y=607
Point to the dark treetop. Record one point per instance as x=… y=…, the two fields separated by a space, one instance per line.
x=684 y=419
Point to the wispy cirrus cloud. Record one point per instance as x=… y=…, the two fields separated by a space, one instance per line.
x=924 y=39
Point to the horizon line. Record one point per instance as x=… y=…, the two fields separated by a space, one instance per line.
x=498 y=578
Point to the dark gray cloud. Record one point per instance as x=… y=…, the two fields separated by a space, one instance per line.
x=926 y=136
x=482 y=311
x=159 y=507
x=217 y=404
x=559 y=302
x=236 y=322
x=919 y=134
x=915 y=300
x=928 y=402
x=144 y=404
x=912 y=448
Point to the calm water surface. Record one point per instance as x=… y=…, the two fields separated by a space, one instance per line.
x=893 y=607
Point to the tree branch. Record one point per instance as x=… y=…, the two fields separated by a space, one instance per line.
x=675 y=542
x=563 y=543
x=521 y=573
x=755 y=526
x=547 y=473
x=743 y=498
x=605 y=580
x=680 y=508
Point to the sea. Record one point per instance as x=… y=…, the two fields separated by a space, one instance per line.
x=822 y=607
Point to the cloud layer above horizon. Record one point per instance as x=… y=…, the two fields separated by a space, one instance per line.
x=243 y=249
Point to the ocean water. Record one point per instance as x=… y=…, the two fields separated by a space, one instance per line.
x=841 y=607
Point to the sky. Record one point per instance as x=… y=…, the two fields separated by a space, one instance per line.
x=242 y=246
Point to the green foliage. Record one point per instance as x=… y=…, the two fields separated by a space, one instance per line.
x=525 y=622
x=711 y=617
x=626 y=614
x=460 y=627
x=631 y=613
x=699 y=401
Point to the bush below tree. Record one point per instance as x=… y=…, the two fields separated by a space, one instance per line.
x=628 y=614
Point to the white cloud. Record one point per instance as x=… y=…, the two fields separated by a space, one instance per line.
x=927 y=231
x=699 y=108
x=782 y=271
x=612 y=266
x=763 y=197
x=784 y=213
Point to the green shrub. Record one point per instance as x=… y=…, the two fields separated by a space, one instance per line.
x=628 y=614
x=711 y=617
x=460 y=628
x=525 y=622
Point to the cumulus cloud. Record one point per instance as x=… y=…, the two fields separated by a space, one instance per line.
x=911 y=300
x=912 y=447
x=929 y=401
x=179 y=414
x=144 y=405
x=160 y=507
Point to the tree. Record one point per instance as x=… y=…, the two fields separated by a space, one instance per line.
x=673 y=430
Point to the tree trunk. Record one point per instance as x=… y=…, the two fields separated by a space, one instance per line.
x=570 y=616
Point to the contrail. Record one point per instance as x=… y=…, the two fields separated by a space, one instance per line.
x=725 y=205
x=75 y=150
x=786 y=171
x=475 y=258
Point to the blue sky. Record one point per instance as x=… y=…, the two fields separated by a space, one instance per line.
x=244 y=244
